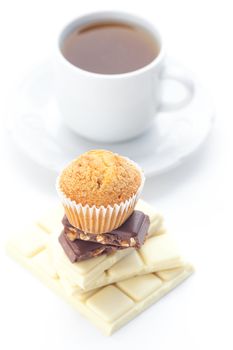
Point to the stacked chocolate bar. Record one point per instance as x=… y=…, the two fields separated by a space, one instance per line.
x=113 y=258
x=112 y=289
x=79 y=245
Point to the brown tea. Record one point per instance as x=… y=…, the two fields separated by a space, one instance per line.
x=110 y=47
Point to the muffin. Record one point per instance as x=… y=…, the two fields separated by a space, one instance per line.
x=99 y=190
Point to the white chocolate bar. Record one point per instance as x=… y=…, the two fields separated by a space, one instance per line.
x=89 y=274
x=92 y=273
x=112 y=306
x=85 y=274
x=52 y=220
x=157 y=254
x=131 y=295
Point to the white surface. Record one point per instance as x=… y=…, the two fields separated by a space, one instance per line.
x=195 y=198
x=36 y=125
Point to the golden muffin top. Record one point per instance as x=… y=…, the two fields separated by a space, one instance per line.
x=100 y=177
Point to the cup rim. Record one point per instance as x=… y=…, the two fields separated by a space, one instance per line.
x=110 y=15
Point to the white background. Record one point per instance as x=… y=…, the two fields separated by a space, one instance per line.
x=195 y=198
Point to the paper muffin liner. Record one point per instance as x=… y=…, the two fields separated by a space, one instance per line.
x=97 y=220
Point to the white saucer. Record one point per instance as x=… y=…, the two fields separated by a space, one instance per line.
x=35 y=125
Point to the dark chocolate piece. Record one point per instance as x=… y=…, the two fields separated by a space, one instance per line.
x=79 y=250
x=131 y=234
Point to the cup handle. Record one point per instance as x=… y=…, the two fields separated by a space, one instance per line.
x=173 y=73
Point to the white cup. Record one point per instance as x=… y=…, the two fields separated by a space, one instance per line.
x=113 y=107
